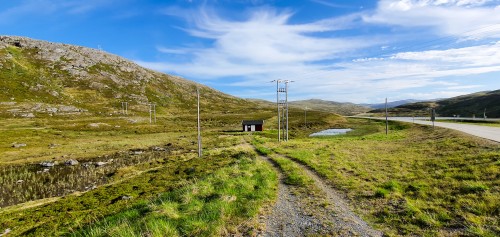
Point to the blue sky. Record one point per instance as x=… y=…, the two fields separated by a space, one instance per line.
x=353 y=51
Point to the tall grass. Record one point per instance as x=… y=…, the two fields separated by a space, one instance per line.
x=212 y=206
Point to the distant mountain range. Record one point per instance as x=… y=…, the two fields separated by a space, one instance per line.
x=319 y=105
x=330 y=106
x=391 y=104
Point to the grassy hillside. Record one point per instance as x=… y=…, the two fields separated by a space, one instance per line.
x=464 y=106
x=39 y=78
x=473 y=104
x=330 y=106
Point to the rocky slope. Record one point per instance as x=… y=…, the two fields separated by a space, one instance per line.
x=40 y=78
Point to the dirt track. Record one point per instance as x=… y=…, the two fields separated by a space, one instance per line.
x=296 y=215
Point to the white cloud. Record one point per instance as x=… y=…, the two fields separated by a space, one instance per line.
x=50 y=7
x=266 y=46
x=464 y=18
x=482 y=55
x=265 y=43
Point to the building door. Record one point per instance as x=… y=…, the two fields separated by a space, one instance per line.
x=252 y=128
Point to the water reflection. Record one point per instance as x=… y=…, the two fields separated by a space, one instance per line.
x=22 y=183
x=331 y=132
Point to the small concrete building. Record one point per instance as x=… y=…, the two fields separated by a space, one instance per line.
x=252 y=125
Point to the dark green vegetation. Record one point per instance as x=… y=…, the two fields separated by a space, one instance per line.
x=464 y=106
x=416 y=181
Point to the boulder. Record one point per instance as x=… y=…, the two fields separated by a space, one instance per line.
x=28 y=115
x=5 y=232
x=100 y=163
x=136 y=152
x=71 y=162
x=18 y=145
x=47 y=164
x=156 y=148
x=126 y=197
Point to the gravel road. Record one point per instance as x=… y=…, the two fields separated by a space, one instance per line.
x=286 y=217
x=491 y=133
x=297 y=215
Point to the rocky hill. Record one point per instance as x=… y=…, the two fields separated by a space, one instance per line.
x=39 y=78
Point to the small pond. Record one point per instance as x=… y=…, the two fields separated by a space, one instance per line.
x=331 y=132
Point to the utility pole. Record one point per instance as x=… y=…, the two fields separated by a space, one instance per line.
x=433 y=116
x=278 y=107
x=386 y=119
x=125 y=108
x=286 y=105
x=199 y=127
x=152 y=111
x=305 y=117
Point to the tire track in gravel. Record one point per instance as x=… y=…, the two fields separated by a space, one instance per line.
x=293 y=216
x=343 y=217
x=286 y=217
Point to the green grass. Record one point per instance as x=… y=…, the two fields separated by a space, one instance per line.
x=218 y=192
x=213 y=206
x=294 y=175
x=415 y=181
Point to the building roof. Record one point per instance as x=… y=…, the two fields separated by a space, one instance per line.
x=252 y=122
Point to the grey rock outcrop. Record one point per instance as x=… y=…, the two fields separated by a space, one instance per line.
x=18 y=145
x=71 y=162
x=47 y=164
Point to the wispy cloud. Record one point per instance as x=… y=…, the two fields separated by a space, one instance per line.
x=463 y=18
x=52 y=7
x=267 y=46
x=330 y=4
x=265 y=43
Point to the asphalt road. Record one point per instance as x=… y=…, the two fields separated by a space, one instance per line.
x=491 y=133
